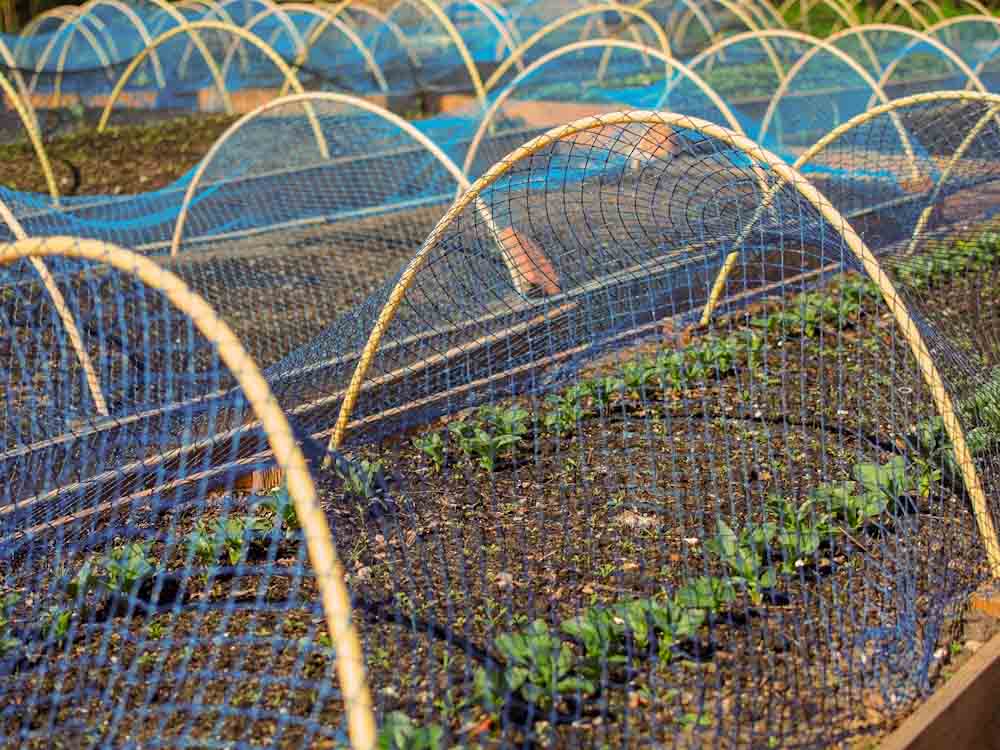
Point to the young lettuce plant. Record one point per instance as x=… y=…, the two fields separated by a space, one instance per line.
x=504 y=421
x=55 y=621
x=400 y=732
x=232 y=536
x=8 y=641
x=744 y=555
x=669 y=372
x=279 y=514
x=636 y=374
x=705 y=594
x=432 y=446
x=203 y=543
x=563 y=414
x=127 y=567
x=539 y=666
x=881 y=486
x=599 y=631
x=360 y=478
x=801 y=530
x=487 y=448
x=675 y=621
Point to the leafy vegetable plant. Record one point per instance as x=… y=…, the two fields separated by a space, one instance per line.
x=539 y=666
x=361 y=478
x=126 y=567
x=279 y=513
x=744 y=554
x=563 y=414
x=854 y=509
x=400 y=732
x=432 y=446
x=599 y=631
x=801 y=529
x=8 y=642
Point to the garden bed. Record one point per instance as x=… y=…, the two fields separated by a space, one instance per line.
x=611 y=495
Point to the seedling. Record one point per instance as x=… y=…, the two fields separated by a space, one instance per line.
x=232 y=536
x=859 y=289
x=890 y=480
x=853 y=508
x=675 y=621
x=669 y=371
x=538 y=665
x=603 y=389
x=432 y=446
x=705 y=594
x=692 y=720
x=743 y=553
x=280 y=512
x=400 y=732
x=599 y=631
x=361 y=478
x=801 y=529
x=126 y=567
x=487 y=448
x=563 y=415
x=8 y=642
x=501 y=421
x=55 y=622
x=635 y=617
x=636 y=374
x=204 y=544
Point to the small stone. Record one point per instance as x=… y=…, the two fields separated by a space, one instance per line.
x=973 y=646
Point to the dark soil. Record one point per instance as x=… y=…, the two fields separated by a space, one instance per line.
x=130 y=158
x=620 y=509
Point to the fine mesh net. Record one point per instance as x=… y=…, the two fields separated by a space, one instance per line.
x=111 y=579
x=642 y=446
x=649 y=436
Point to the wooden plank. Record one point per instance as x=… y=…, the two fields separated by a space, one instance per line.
x=964 y=714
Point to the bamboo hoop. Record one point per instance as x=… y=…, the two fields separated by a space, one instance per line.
x=13 y=69
x=669 y=63
x=321 y=21
x=450 y=30
x=65 y=314
x=787 y=175
x=918 y=37
x=74 y=24
x=322 y=554
x=267 y=51
x=517 y=56
x=386 y=22
x=190 y=28
x=210 y=11
x=133 y=18
x=858 y=120
x=286 y=24
x=969 y=139
x=27 y=115
x=307 y=98
x=826 y=45
x=906 y=5
x=845 y=14
x=763 y=36
x=506 y=38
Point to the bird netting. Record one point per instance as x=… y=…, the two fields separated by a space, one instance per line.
x=650 y=441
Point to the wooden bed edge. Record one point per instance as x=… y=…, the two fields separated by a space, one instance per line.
x=963 y=714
